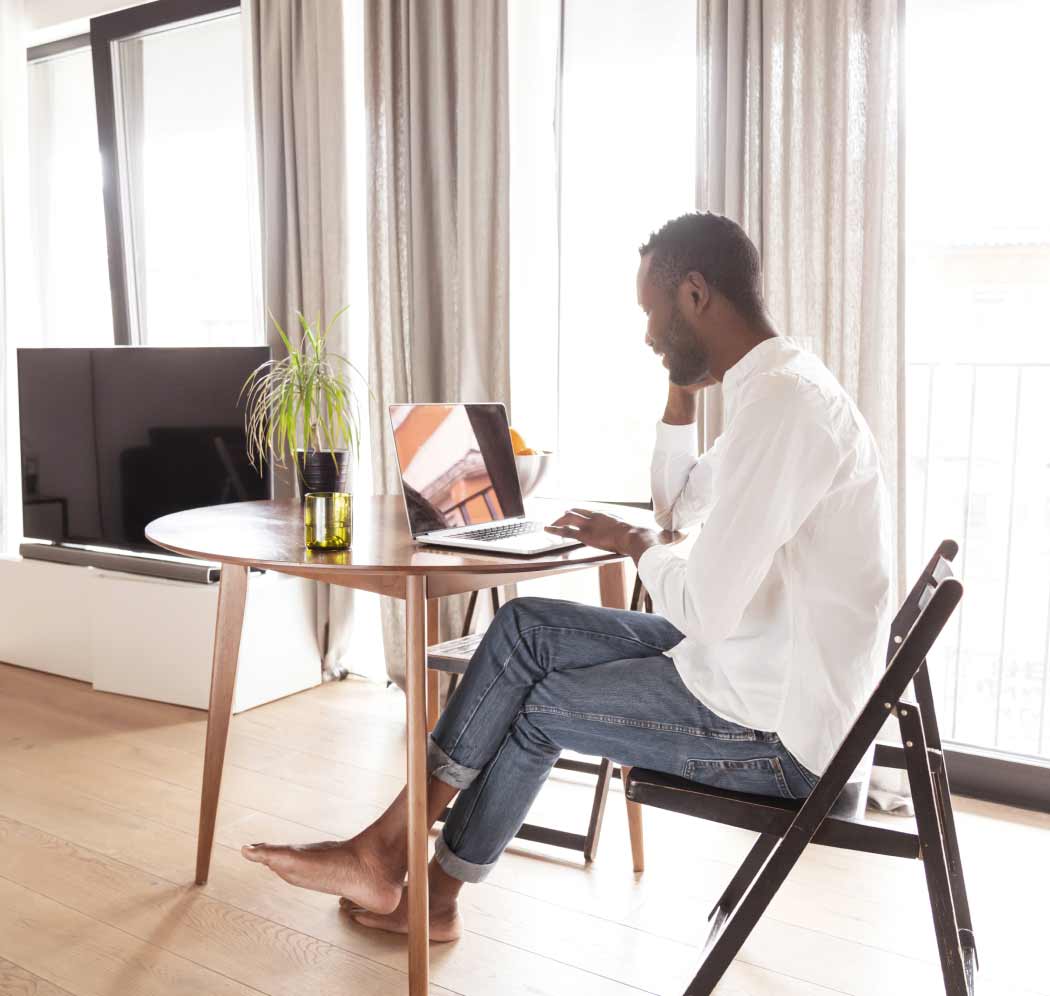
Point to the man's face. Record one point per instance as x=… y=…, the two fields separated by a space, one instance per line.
x=668 y=332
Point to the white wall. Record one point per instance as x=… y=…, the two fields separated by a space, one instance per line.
x=47 y=20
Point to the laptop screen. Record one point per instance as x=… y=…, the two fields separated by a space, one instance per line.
x=457 y=465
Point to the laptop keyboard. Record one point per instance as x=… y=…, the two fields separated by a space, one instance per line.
x=501 y=532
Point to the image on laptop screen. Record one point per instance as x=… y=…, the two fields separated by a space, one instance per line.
x=457 y=465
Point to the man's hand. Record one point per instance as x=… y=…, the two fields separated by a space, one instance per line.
x=682 y=401
x=605 y=532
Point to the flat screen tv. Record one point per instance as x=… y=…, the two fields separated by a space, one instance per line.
x=112 y=438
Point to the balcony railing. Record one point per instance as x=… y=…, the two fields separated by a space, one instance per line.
x=978 y=465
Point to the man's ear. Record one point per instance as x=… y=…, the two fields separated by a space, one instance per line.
x=694 y=294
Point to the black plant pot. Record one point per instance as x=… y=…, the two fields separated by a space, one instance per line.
x=322 y=470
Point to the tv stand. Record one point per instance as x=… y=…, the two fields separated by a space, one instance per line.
x=152 y=637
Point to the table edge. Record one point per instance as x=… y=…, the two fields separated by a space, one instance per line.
x=516 y=565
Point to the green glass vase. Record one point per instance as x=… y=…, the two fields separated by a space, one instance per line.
x=328 y=520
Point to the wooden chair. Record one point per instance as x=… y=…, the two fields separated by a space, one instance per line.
x=453 y=657
x=836 y=819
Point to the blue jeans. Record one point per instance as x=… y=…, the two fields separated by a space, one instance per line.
x=552 y=676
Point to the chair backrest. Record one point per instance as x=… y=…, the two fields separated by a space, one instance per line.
x=916 y=626
x=933 y=573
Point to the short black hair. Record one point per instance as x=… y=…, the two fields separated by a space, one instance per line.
x=712 y=245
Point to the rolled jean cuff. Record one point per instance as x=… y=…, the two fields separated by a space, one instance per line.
x=444 y=769
x=452 y=864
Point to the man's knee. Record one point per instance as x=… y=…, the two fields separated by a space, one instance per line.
x=521 y=613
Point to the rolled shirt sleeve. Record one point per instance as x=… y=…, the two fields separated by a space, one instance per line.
x=777 y=460
x=681 y=480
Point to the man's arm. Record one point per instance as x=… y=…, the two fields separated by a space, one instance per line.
x=778 y=461
x=681 y=482
x=681 y=485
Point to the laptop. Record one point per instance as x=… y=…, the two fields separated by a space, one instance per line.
x=459 y=480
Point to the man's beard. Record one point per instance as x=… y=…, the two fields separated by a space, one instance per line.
x=687 y=360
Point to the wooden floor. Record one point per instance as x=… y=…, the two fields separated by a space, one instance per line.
x=98 y=809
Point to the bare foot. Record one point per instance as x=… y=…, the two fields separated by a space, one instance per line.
x=339 y=867
x=445 y=924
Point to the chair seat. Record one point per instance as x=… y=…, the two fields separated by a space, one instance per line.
x=844 y=827
x=453 y=656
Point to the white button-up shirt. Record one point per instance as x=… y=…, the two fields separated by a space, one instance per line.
x=783 y=599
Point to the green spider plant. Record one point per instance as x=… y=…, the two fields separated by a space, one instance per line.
x=304 y=400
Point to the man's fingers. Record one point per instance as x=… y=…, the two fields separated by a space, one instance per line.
x=570 y=518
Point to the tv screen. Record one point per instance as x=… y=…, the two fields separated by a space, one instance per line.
x=112 y=438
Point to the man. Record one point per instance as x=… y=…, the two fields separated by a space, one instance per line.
x=766 y=639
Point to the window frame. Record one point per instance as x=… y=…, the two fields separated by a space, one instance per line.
x=104 y=32
x=39 y=53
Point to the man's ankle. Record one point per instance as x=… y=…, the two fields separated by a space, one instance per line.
x=444 y=905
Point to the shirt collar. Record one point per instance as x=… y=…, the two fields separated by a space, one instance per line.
x=766 y=355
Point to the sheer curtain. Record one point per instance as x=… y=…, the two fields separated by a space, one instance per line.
x=14 y=271
x=298 y=143
x=437 y=107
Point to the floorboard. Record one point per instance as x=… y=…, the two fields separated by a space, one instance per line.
x=98 y=807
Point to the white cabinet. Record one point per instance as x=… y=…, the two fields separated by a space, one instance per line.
x=45 y=617
x=151 y=637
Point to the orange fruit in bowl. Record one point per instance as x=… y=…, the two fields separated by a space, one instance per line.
x=518 y=443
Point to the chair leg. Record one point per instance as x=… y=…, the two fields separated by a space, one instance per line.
x=967 y=939
x=741 y=882
x=468 y=619
x=634 y=826
x=433 y=698
x=433 y=677
x=773 y=870
x=951 y=847
x=601 y=793
x=636 y=595
x=934 y=859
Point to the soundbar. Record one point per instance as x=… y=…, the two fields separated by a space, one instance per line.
x=127 y=561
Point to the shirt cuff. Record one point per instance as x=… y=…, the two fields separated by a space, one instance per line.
x=677 y=438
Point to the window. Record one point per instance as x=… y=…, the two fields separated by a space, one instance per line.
x=594 y=169
x=978 y=355
x=71 y=285
x=172 y=122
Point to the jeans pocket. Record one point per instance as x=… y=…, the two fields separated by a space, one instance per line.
x=757 y=775
x=807 y=776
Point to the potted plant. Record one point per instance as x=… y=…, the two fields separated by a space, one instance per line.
x=303 y=407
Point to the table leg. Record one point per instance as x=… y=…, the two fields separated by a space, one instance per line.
x=612 y=583
x=418 y=839
x=233 y=588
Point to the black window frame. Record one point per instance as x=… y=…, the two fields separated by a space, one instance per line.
x=104 y=32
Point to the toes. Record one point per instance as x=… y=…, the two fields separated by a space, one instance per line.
x=262 y=853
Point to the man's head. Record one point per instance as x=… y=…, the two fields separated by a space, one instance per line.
x=699 y=276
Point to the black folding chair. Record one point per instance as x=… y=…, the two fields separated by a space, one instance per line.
x=835 y=817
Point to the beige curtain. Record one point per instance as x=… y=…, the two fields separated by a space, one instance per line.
x=295 y=59
x=798 y=142
x=437 y=109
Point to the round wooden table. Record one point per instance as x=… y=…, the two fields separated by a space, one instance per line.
x=383 y=559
